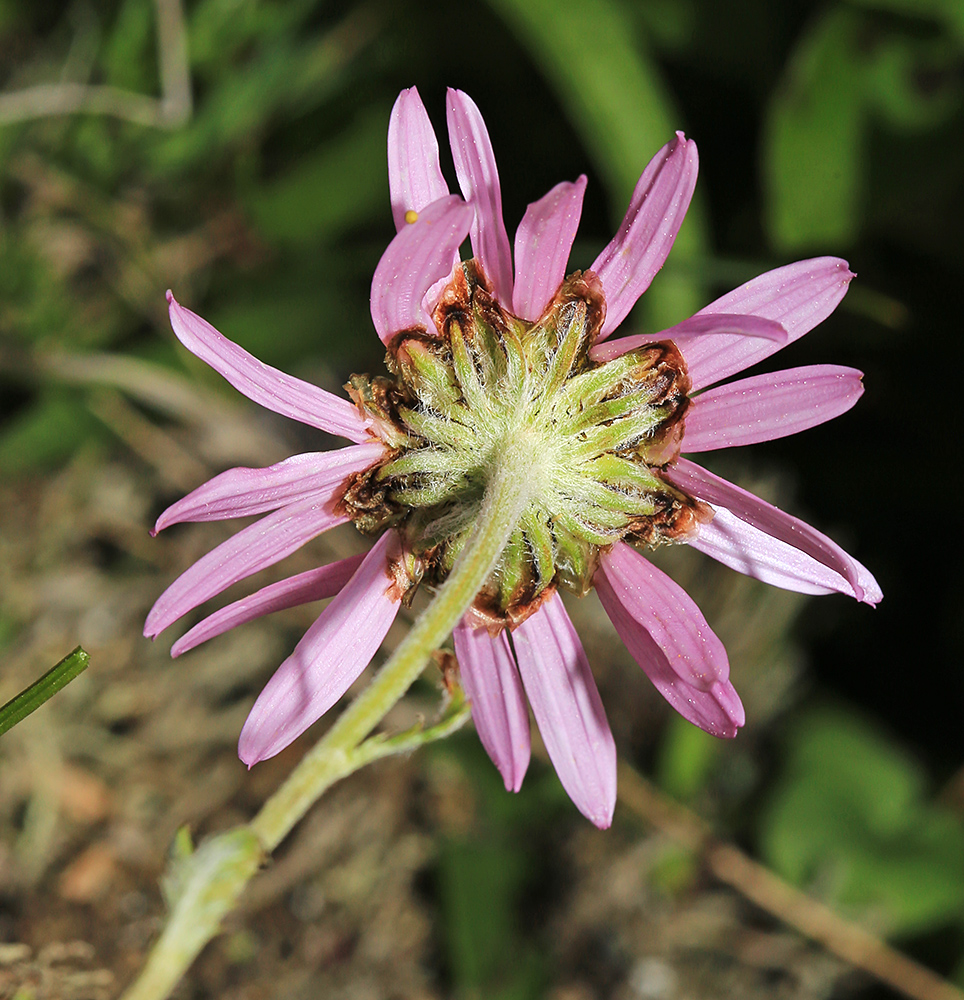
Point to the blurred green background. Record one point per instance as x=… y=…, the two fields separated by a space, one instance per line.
x=823 y=128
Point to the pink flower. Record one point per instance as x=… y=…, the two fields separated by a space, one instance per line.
x=622 y=410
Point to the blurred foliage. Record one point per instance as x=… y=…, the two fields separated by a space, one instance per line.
x=850 y=71
x=687 y=759
x=488 y=875
x=851 y=819
x=593 y=73
x=824 y=127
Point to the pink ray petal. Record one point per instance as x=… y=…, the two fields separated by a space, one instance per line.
x=243 y=492
x=327 y=660
x=666 y=613
x=267 y=386
x=491 y=682
x=568 y=710
x=542 y=245
x=717 y=711
x=313 y=585
x=721 y=324
x=698 y=482
x=479 y=181
x=769 y=406
x=640 y=248
x=798 y=297
x=419 y=256
x=714 y=707
x=751 y=551
x=254 y=548
x=414 y=175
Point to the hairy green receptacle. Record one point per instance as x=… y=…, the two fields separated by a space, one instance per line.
x=597 y=436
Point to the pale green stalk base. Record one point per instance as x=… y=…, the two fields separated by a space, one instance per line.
x=204 y=886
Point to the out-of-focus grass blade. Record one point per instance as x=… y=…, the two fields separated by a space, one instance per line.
x=31 y=698
x=129 y=51
x=814 y=137
x=616 y=99
x=610 y=87
x=281 y=74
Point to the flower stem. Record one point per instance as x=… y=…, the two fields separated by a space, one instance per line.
x=507 y=495
x=204 y=886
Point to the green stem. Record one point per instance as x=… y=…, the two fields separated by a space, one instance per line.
x=508 y=494
x=205 y=885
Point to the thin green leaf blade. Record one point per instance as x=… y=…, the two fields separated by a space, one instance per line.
x=43 y=689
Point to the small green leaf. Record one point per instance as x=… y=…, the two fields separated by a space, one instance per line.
x=201 y=888
x=455 y=713
x=31 y=698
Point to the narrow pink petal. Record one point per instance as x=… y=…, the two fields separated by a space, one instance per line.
x=243 y=492
x=640 y=247
x=542 y=244
x=479 y=180
x=721 y=324
x=327 y=660
x=568 y=710
x=420 y=255
x=314 y=585
x=698 y=482
x=717 y=711
x=491 y=682
x=254 y=548
x=713 y=705
x=769 y=406
x=728 y=701
x=798 y=297
x=666 y=613
x=751 y=551
x=414 y=176
x=270 y=388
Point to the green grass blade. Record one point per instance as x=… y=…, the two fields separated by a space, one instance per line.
x=32 y=697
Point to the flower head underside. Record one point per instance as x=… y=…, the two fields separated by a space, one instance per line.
x=596 y=434
x=504 y=349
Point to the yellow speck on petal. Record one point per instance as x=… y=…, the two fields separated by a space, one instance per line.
x=411 y=216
